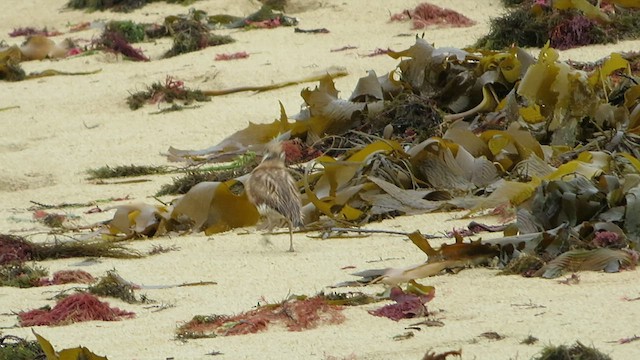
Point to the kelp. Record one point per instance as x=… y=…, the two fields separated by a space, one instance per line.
x=65 y=354
x=565 y=24
x=552 y=144
x=36 y=47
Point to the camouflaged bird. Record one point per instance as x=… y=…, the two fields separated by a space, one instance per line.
x=274 y=192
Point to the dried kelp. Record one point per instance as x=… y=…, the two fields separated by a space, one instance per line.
x=65 y=354
x=552 y=144
x=36 y=47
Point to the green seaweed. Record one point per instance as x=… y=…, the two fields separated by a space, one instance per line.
x=21 y=275
x=169 y=91
x=16 y=348
x=118 y=5
x=109 y=172
x=113 y=285
x=192 y=33
x=578 y=351
x=131 y=31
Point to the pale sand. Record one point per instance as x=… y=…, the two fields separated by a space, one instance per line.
x=45 y=149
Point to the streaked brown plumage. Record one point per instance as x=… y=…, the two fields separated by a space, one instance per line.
x=274 y=192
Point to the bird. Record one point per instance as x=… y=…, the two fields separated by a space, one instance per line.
x=273 y=191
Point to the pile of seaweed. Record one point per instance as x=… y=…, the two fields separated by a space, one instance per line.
x=564 y=23
x=536 y=140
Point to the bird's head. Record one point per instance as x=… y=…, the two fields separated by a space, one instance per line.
x=273 y=151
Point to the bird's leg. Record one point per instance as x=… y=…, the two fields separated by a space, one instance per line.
x=290 y=235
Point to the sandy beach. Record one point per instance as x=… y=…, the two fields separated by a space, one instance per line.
x=65 y=125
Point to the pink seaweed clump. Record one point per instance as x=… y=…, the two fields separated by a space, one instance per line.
x=74 y=308
x=426 y=14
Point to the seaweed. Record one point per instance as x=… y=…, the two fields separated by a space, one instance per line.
x=16 y=249
x=192 y=33
x=113 y=285
x=109 y=172
x=517 y=27
x=130 y=31
x=73 y=308
x=232 y=56
x=297 y=313
x=578 y=351
x=30 y=31
x=534 y=23
x=414 y=118
x=115 y=41
x=21 y=275
x=426 y=14
x=16 y=348
x=169 y=91
x=181 y=185
x=264 y=18
x=118 y=5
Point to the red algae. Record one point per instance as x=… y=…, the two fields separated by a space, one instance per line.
x=296 y=315
x=426 y=14
x=74 y=308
